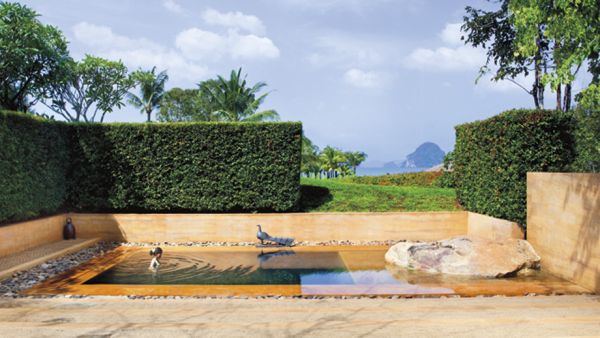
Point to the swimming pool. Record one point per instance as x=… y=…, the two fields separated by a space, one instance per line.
x=299 y=271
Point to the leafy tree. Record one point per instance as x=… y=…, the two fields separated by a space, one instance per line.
x=152 y=90
x=180 y=105
x=572 y=28
x=495 y=31
x=354 y=159
x=89 y=87
x=233 y=101
x=31 y=56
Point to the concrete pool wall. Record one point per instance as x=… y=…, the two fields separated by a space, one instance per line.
x=563 y=225
x=242 y=227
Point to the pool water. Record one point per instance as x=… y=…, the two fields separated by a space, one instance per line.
x=280 y=267
x=188 y=271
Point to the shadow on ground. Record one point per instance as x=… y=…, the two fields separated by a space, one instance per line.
x=312 y=197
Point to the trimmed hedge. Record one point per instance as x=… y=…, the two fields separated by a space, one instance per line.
x=492 y=158
x=200 y=167
x=166 y=167
x=33 y=166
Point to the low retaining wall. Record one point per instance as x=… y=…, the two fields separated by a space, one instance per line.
x=21 y=236
x=242 y=227
x=416 y=226
x=493 y=228
x=563 y=225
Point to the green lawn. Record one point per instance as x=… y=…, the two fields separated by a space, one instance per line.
x=336 y=195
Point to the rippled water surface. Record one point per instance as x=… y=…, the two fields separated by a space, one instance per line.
x=231 y=268
x=337 y=271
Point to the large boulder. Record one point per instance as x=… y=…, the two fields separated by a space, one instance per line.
x=466 y=256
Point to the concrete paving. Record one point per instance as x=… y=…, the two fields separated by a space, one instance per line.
x=538 y=316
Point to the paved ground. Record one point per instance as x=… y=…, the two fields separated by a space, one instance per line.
x=451 y=317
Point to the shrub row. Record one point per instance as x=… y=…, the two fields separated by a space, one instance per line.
x=166 y=167
x=492 y=158
x=420 y=179
x=208 y=167
x=33 y=166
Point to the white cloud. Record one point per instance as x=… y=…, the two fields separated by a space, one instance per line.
x=234 y=20
x=198 y=44
x=451 y=34
x=172 y=6
x=363 y=79
x=103 y=37
x=453 y=56
x=445 y=59
x=140 y=52
x=187 y=63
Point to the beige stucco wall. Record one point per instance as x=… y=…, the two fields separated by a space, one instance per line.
x=242 y=227
x=25 y=235
x=563 y=224
x=491 y=228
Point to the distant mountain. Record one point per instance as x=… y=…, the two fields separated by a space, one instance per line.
x=427 y=155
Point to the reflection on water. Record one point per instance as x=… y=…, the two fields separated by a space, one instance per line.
x=231 y=268
x=320 y=272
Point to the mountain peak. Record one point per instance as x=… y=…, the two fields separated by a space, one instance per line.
x=426 y=155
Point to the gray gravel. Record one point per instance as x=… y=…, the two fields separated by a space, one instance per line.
x=25 y=279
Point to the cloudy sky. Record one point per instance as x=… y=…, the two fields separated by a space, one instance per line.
x=380 y=76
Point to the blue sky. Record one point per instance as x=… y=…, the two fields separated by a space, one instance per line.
x=380 y=76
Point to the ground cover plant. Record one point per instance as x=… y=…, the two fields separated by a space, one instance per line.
x=336 y=195
x=421 y=179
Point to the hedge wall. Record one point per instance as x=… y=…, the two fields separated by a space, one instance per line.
x=492 y=158
x=166 y=167
x=33 y=166
x=201 y=167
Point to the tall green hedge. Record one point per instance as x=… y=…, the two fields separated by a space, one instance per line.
x=492 y=158
x=33 y=166
x=166 y=167
x=206 y=167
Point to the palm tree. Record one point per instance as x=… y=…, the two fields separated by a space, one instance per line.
x=331 y=159
x=152 y=90
x=311 y=163
x=354 y=159
x=234 y=101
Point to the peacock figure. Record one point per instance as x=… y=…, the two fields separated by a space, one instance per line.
x=263 y=236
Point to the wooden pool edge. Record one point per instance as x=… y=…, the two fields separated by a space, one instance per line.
x=72 y=282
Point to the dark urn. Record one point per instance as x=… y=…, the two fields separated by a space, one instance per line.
x=69 y=230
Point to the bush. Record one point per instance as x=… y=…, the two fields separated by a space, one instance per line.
x=179 y=167
x=33 y=166
x=420 y=179
x=492 y=158
x=196 y=167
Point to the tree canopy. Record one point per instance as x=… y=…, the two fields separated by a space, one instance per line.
x=31 y=56
x=90 y=87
